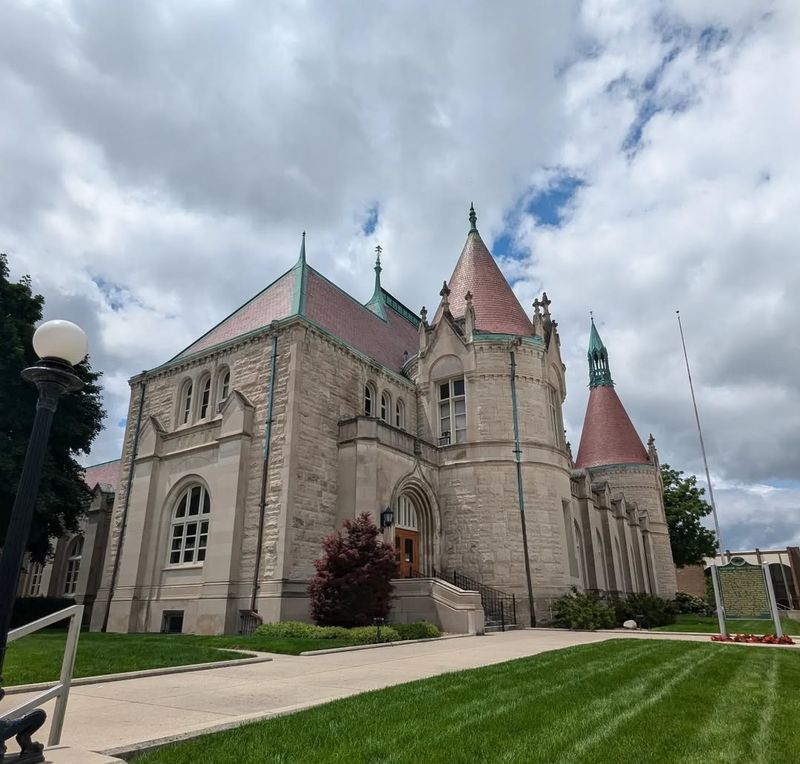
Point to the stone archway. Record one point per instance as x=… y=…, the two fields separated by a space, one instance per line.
x=416 y=510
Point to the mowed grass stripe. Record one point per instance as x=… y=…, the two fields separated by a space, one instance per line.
x=532 y=710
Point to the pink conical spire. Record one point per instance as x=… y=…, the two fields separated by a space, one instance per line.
x=497 y=309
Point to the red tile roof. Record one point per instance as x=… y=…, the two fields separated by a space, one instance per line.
x=270 y=304
x=340 y=314
x=106 y=473
x=497 y=309
x=608 y=434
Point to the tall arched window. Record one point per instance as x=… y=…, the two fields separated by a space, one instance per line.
x=186 y=404
x=205 y=397
x=74 y=554
x=369 y=400
x=386 y=406
x=400 y=414
x=189 y=536
x=223 y=386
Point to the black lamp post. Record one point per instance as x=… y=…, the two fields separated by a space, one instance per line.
x=59 y=345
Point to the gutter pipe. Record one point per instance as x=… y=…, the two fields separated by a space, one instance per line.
x=262 y=503
x=520 y=492
x=124 y=524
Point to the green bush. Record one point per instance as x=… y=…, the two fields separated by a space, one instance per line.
x=292 y=630
x=688 y=603
x=646 y=609
x=417 y=630
x=27 y=609
x=578 y=610
x=366 y=635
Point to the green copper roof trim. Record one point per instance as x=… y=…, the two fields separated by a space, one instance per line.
x=599 y=369
x=527 y=339
x=299 y=286
x=376 y=302
x=401 y=309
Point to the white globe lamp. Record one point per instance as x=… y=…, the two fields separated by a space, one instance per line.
x=62 y=340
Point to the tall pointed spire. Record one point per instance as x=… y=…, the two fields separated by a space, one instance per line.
x=599 y=370
x=378 y=268
x=377 y=303
x=608 y=435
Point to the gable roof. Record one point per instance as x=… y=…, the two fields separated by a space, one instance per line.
x=497 y=309
x=303 y=291
x=107 y=474
x=608 y=436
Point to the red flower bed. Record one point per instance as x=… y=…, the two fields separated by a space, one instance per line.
x=754 y=639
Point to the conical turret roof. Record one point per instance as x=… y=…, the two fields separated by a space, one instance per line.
x=608 y=436
x=497 y=309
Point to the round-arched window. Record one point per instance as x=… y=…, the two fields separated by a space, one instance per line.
x=74 y=555
x=189 y=536
x=186 y=403
x=386 y=407
x=205 y=397
x=400 y=414
x=369 y=400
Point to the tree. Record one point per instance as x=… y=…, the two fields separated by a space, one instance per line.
x=353 y=583
x=685 y=507
x=63 y=495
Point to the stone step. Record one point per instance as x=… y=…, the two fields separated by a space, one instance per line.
x=64 y=754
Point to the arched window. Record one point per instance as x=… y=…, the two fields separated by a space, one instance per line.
x=452 y=412
x=369 y=400
x=205 y=397
x=35 y=579
x=223 y=385
x=74 y=554
x=189 y=536
x=386 y=406
x=400 y=414
x=185 y=413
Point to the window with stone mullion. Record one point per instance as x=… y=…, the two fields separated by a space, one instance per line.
x=189 y=538
x=453 y=410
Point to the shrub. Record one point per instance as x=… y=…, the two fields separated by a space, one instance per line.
x=579 y=610
x=646 y=609
x=353 y=583
x=688 y=603
x=300 y=630
x=417 y=630
x=27 y=609
x=366 y=635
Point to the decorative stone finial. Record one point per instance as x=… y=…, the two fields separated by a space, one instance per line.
x=473 y=219
x=468 y=297
x=423 y=314
x=537 y=307
x=546 y=303
x=445 y=294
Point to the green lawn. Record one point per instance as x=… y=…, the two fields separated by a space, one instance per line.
x=618 y=701
x=710 y=625
x=37 y=657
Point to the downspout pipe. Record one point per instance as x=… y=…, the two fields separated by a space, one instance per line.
x=520 y=491
x=262 y=502
x=128 y=488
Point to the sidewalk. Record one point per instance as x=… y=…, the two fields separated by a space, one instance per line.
x=116 y=717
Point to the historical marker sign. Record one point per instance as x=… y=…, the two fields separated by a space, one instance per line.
x=744 y=590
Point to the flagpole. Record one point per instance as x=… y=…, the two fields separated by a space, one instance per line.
x=702 y=444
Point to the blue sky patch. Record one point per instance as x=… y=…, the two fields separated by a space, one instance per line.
x=371 y=221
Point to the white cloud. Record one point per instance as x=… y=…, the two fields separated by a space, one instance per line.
x=160 y=162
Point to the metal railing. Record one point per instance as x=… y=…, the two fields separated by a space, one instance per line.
x=499 y=608
x=60 y=689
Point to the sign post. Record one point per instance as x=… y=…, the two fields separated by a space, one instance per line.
x=773 y=603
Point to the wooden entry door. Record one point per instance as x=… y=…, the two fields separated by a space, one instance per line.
x=407 y=545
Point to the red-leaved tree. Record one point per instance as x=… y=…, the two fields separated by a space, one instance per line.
x=353 y=583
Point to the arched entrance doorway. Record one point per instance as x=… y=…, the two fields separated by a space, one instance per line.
x=406 y=538
x=416 y=528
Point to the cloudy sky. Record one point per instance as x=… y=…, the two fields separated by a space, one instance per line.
x=160 y=160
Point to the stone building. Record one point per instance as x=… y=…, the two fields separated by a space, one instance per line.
x=305 y=407
x=76 y=567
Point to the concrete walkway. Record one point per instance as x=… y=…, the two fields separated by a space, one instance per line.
x=117 y=717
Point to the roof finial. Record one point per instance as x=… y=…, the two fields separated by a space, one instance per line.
x=376 y=303
x=599 y=369
x=303 y=249
x=445 y=294
x=591 y=315
x=473 y=218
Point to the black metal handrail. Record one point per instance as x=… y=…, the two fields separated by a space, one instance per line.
x=498 y=607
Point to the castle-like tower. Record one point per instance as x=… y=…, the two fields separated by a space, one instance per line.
x=305 y=407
